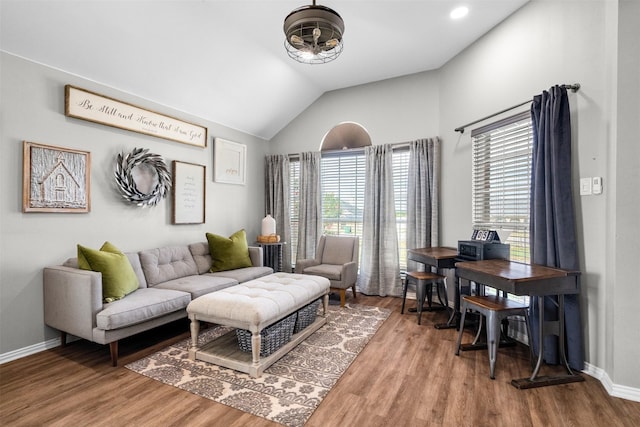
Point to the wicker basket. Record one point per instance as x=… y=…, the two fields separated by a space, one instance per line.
x=273 y=337
x=306 y=316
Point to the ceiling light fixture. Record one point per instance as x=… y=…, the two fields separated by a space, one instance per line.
x=313 y=34
x=459 y=12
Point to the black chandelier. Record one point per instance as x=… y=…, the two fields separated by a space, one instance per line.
x=313 y=34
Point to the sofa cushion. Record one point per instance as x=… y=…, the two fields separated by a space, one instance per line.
x=118 y=277
x=201 y=255
x=229 y=253
x=198 y=285
x=134 y=259
x=167 y=263
x=140 y=306
x=242 y=275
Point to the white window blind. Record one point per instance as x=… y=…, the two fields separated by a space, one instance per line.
x=342 y=183
x=502 y=154
x=400 y=187
x=294 y=207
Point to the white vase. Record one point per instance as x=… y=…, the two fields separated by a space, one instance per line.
x=268 y=225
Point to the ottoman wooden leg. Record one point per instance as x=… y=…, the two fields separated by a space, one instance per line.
x=195 y=331
x=325 y=305
x=256 y=342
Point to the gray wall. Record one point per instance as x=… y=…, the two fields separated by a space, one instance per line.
x=33 y=110
x=623 y=239
x=395 y=110
x=542 y=44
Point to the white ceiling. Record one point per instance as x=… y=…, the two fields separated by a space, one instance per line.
x=224 y=61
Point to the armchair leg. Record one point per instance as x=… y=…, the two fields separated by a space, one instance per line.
x=354 y=290
x=63 y=339
x=343 y=297
x=113 y=349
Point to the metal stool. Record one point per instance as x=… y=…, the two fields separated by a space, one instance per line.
x=424 y=281
x=494 y=308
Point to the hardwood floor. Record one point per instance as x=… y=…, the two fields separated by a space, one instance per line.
x=407 y=375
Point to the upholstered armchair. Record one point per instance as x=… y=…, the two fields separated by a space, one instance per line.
x=337 y=260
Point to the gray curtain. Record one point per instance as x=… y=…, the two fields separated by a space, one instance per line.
x=553 y=230
x=423 y=211
x=276 y=202
x=379 y=266
x=310 y=213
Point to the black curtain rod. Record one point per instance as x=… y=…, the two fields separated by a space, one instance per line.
x=574 y=88
x=394 y=146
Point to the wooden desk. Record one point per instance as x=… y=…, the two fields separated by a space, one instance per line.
x=440 y=258
x=536 y=281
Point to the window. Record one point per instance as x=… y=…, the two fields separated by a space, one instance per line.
x=400 y=184
x=342 y=187
x=294 y=205
x=342 y=176
x=502 y=154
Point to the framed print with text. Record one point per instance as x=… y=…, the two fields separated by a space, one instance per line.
x=189 y=193
x=93 y=107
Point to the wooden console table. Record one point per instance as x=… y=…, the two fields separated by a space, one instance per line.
x=536 y=281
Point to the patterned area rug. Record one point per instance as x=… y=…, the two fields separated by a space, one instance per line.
x=289 y=390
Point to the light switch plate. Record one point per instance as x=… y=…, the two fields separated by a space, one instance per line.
x=585 y=186
x=597 y=185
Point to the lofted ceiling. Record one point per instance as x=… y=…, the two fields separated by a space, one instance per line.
x=225 y=61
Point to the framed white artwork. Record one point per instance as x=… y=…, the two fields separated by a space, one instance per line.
x=229 y=161
x=55 y=179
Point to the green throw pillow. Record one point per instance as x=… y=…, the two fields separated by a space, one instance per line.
x=229 y=253
x=118 y=277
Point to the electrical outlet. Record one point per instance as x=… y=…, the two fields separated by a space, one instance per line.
x=585 y=186
x=597 y=185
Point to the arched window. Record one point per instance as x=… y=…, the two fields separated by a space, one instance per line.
x=344 y=136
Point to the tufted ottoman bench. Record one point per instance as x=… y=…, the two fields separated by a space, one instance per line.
x=253 y=306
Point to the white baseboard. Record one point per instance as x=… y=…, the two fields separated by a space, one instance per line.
x=615 y=390
x=27 y=351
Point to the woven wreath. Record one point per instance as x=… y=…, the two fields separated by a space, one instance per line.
x=125 y=164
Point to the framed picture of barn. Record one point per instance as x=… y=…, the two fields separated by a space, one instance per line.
x=55 y=179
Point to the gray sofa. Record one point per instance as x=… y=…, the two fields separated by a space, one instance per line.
x=170 y=277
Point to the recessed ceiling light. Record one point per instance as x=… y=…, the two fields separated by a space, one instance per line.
x=459 y=12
